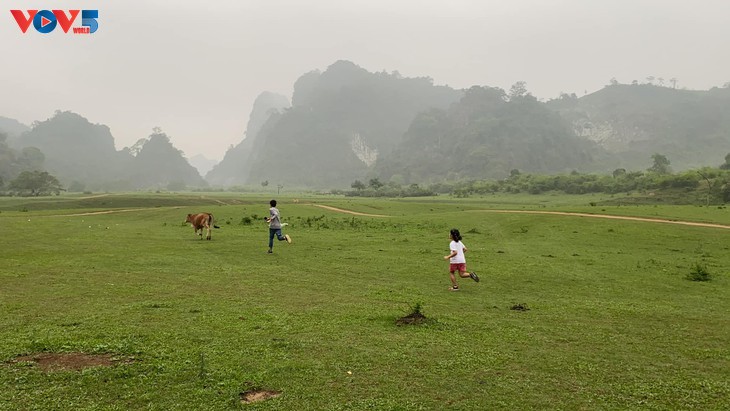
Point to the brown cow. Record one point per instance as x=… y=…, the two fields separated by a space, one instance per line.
x=200 y=221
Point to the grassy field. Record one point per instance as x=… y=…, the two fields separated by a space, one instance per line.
x=571 y=313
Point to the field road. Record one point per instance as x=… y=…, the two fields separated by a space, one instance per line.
x=125 y=210
x=562 y=213
x=340 y=210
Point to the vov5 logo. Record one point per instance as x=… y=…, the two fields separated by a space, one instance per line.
x=45 y=21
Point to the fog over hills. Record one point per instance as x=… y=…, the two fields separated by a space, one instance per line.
x=235 y=167
x=202 y=163
x=346 y=123
x=12 y=129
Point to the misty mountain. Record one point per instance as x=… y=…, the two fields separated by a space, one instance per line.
x=14 y=162
x=486 y=135
x=347 y=123
x=235 y=167
x=12 y=129
x=75 y=149
x=83 y=154
x=632 y=122
x=159 y=164
x=340 y=122
x=202 y=163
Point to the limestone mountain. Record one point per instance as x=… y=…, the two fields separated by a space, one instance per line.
x=633 y=122
x=158 y=164
x=75 y=149
x=487 y=135
x=12 y=129
x=340 y=122
x=83 y=154
x=235 y=167
x=202 y=163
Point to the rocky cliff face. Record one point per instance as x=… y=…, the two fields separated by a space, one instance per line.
x=235 y=167
x=633 y=122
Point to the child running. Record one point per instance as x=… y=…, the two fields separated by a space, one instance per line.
x=275 y=226
x=457 y=261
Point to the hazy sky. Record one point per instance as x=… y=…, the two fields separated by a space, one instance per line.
x=194 y=68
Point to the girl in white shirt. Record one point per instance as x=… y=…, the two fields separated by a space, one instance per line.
x=457 y=261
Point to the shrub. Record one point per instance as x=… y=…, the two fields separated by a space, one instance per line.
x=699 y=273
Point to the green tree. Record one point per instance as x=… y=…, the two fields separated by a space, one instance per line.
x=35 y=183
x=357 y=185
x=619 y=172
x=661 y=164
x=519 y=89
x=375 y=183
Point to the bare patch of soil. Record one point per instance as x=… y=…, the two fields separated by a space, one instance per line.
x=520 y=307
x=412 y=319
x=68 y=361
x=248 y=397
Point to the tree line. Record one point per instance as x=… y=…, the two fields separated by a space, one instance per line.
x=714 y=182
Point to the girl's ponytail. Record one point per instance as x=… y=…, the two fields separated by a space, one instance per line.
x=455 y=234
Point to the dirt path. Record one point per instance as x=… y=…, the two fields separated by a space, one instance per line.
x=96 y=196
x=563 y=213
x=612 y=217
x=126 y=210
x=340 y=210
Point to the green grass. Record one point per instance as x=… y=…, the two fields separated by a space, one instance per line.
x=613 y=322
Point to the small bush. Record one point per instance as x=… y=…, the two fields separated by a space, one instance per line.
x=246 y=221
x=416 y=317
x=699 y=273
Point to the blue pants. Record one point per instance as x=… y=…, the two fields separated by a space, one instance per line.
x=275 y=232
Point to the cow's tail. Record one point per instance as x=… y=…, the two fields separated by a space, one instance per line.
x=211 y=221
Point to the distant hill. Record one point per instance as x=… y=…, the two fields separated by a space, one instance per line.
x=346 y=124
x=75 y=149
x=235 y=167
x=202 y=163
x=12 y=129
x=83 y=154
x=340 y=122
x=14 y=162
x=487 y=135
x=160 y=165
x=632 y=122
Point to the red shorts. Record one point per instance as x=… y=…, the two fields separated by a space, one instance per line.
x=460 y=267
